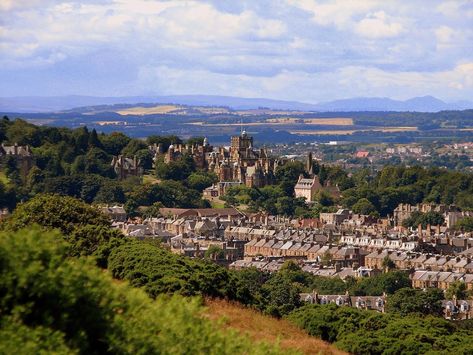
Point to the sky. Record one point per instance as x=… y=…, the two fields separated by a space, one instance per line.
x=303 y=50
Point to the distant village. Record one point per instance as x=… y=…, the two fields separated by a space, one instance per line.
x=340 y=244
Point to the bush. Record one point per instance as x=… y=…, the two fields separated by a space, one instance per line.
x=53 y=304
x=159 y=271
x=368 y=332
x=55 y=211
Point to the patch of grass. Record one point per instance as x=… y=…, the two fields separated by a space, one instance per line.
x=217 y=203
x=150 y=179
x=264 y=328
x=160 y=109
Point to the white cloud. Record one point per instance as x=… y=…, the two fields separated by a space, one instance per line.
x=344 y=82
x=378 y=25
x=339 y=12
x=310 y=50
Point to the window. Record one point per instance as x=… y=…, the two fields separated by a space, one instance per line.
x=359 y=303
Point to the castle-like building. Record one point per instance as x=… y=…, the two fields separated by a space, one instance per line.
x=238 y=163
x=22 y=156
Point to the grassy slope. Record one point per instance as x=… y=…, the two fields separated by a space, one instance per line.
x=264 y=328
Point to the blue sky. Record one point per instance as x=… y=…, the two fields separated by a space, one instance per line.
x=305 y=50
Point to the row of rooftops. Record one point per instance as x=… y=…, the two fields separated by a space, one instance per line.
x=275 y=264
x=452 y=309
x=442 y=276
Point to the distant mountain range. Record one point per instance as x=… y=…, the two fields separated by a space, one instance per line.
x=58 y=103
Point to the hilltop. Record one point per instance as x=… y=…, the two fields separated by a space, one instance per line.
x=264 y=328
x=58 y=103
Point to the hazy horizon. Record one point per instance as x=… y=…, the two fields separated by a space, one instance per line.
x=295 y=50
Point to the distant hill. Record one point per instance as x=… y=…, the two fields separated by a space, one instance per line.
x=60 y=103
x=419 y=104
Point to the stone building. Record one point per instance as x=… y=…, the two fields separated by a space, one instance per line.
x=307 y=188
x=239 y=163
x=126 y=167
x=21 y=154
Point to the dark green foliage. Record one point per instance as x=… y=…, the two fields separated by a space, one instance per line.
x=388 y=283
x=424 y=219
x=178 y=170
x=280 y=295
x=169 y=193
x=54 y=211
x=457 y=290
x=133 y=146
x=271 y=198
x=465 y=224
x=53 y=304
x=413 y=301
x=364 y=206
x=97 y=241
x=328 y=285
x=114 y=143
x=249 y=282
x=214 y=252
x=200 y=180
x=368 y=332
x=159 y=271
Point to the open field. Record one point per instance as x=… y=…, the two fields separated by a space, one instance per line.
x=286 y=121
x=161 y=109
x=266 y=329
x=351 y=131
x=337 y=121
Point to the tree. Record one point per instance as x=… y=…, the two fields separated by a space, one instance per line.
x=388 y=264
x=458 y=290
x=281 y=296
x=153 y=210
x=110 y=192
x=54 y=211
x=94 y=139
x=324 y=198
x=145 y=158
x=114 y=142
x=432 y=218
x=133 y=146
x=200 y=180
x=465 y=224
x=364 y=206
x=214 y=252
x=413 y=301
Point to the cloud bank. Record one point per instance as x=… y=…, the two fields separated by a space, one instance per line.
x=306 y=50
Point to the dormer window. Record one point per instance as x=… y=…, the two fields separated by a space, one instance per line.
x=379 y=303
x=339 y=301
x=359 y=303
x=464 y=307
x=323 y=300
